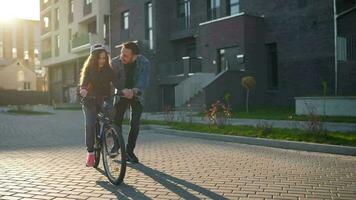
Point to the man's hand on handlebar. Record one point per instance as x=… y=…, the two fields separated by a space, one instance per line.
x=127 y=93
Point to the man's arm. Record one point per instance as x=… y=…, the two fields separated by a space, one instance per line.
x=143 y=78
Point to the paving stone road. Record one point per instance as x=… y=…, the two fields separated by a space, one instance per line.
x=42 y=157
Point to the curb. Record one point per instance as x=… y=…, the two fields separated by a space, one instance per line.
x=301 y=146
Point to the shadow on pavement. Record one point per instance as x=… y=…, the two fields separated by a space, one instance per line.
x=171 y=183
x=123 y=190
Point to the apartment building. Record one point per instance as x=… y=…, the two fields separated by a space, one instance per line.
x=68 y=28
x=200 y=50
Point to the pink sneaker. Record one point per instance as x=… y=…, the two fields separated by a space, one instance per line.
x=90 y=159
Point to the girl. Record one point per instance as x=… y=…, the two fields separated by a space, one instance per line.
x=95 y=81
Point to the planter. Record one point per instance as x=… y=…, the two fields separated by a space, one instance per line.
x=329 y=106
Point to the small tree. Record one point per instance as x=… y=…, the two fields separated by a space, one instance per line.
x=248 y=82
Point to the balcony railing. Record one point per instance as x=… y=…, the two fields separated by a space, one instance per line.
x=177 y=67
x=195 y=65
x=186 y=23
x=83 y=41
x=46 y=54
x=80 y=40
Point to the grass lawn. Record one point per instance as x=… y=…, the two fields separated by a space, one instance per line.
x=336 y=138
x=282 y=113
x=26 y=112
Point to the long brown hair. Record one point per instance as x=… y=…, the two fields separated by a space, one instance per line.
x=91 y=63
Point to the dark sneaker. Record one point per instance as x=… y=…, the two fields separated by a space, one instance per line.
x=114 y=152
x=131 y=157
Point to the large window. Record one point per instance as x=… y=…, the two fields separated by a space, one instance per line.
x=183 y=13
x=346 y=48
x=233 y=7
x=46 y=23
x=87 y=7
x=71 y=11
x=149 y=24
x=222 y=8
x=272 y=66
x=56 y=26
x=125 y=20
x=69 y=40
x=214 y=9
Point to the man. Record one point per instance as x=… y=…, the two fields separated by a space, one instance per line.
x=132 y=70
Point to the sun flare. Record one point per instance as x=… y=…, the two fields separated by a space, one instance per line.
x=24 y=9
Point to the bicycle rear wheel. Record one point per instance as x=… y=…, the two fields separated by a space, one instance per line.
x=114 y=154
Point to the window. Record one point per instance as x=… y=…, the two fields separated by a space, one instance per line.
x=341 y=48
x=26 y=85
x=1 y=44
x=58 y=42
x=87 y=7
x=26 y=55
x=149 y=24
x=272 y=66
x=57 y=19
x=106 y=29
x=37 y=57
x=69 y=39
x=46 y=22
x=233 y=7
x=71 y=11
x=14 y=52
x=125 y=20
x=183 y=13
x=351 y=47
x=214 y=9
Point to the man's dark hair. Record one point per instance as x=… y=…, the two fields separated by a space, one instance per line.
x=133 y=46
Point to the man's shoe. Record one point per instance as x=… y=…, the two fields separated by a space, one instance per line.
x=114 y=152
x=90 y=159
x=131 y=157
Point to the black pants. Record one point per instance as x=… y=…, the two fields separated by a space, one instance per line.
x=137 y=108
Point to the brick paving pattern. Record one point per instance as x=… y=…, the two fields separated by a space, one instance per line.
x=42 y=157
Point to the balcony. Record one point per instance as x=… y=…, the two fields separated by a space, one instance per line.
x=185 y=27
x=87 y=9
x=83 y=42
x=46 y=54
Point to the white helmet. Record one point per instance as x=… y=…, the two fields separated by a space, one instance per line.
x=98 y=46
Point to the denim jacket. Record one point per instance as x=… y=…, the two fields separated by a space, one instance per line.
x=141 y=77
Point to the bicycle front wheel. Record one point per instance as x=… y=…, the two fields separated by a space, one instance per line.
x=114 y=154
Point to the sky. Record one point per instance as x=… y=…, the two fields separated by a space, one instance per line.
x=24 y=9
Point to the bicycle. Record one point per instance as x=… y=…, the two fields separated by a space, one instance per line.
x=109 y=142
